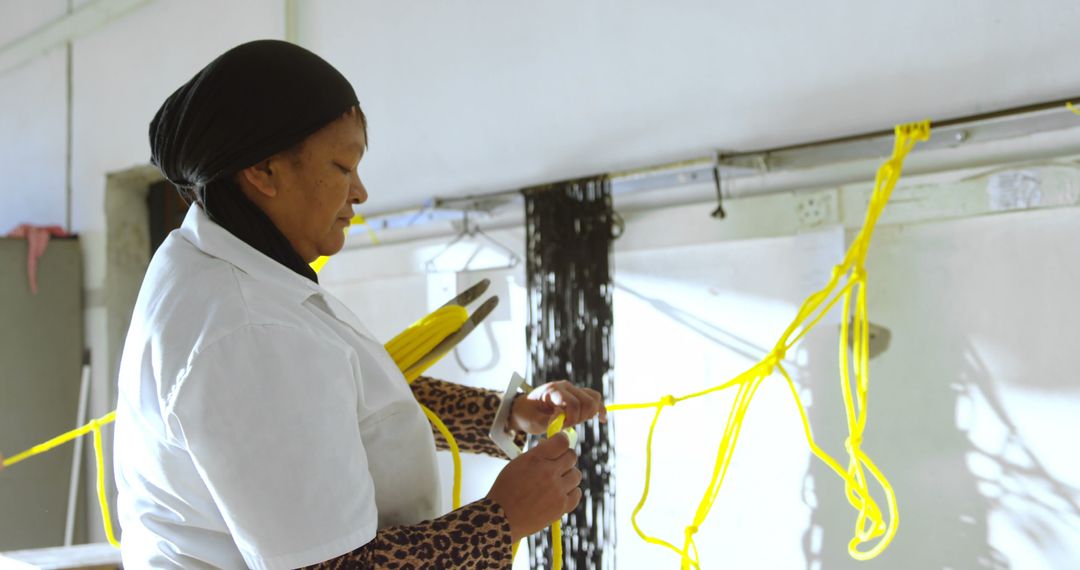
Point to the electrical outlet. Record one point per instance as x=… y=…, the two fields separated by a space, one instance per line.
x=816 y=209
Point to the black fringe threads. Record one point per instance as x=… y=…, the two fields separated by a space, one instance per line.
x=568 y=268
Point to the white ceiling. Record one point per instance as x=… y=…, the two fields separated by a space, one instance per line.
x=491 y=95
x=486 y=95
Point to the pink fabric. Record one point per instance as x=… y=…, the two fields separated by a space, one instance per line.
x=38 y=239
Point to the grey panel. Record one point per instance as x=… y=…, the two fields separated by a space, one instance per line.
x=41 y=347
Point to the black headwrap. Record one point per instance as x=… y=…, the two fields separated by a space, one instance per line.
x=255 y=100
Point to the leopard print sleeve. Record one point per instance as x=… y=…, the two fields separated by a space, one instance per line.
x=467 y=412
x=476 y=536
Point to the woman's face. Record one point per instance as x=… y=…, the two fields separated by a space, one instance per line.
x=309 y=191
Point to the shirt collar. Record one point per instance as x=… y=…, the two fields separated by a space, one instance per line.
x=215 y=240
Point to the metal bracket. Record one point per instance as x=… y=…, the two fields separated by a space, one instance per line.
x=719 y=212
x=498 y=432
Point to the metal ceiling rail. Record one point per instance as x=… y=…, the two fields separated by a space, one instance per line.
x=968 y=131
x=951 y=133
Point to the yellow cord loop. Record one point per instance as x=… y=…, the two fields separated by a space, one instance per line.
x=406 y=349
x=416 y=341
x=847 y=284
x=1072 y=108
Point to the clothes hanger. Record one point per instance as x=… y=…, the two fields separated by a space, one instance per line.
x=473 y=231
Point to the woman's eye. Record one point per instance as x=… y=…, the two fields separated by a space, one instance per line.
x=343 y=169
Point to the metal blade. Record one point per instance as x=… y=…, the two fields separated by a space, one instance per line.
x=457 y=336
x=469 y=295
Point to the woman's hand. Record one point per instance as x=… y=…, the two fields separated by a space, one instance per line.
x=533 y=412
x=538 y=487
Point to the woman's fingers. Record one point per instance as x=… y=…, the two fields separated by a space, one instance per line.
x=590 y=403
x=572 y=499
x=571 y=479
x=583 y=405
x=566 y=398
x=603 y=408
x=554 y=448
x=577 y=403
x=566 y=462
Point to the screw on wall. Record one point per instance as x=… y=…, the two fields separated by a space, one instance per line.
x=879 y=338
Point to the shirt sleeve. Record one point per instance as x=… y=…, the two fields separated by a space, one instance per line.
x=269 y=417
x=476 y=536
x=467 y=412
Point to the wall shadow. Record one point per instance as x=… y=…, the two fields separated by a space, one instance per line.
x=949 y=482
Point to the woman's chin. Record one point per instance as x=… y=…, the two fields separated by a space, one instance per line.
x=332 y=246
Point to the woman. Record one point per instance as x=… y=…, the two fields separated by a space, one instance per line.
x=259 y=422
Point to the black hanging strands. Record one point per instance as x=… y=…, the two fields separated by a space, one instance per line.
x=569 y=233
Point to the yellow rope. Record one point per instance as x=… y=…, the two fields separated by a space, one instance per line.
x=553 y=428
x=556 y=527
x=455 y=453
x=1072 y=108
x=92 y=426
x=408 y=347
x=103 y=500
x=413 y=343
x=870 y=524
x=417 y=341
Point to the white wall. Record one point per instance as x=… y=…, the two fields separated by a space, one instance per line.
x=121 y=74
x=33 y=133
x=492 y=95
x=495 y=95
x=688 y=318
x=974 y=404
x=971 y=407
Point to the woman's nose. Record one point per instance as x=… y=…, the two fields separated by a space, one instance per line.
x=357 y=192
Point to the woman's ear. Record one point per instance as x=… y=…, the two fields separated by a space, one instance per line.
x=260 y=178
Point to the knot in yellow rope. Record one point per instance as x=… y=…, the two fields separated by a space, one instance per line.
x=889 y=168
x=919 y=131
x=851 y=296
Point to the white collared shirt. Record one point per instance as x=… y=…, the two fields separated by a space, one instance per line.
x=259 y=423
